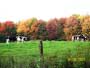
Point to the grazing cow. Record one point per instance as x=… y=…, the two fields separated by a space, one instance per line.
x=83 y=37
x=23 y=38
x=79 y=38
x=75 y=37
x=16 y=38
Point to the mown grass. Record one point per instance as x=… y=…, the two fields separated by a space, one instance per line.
x=56 y=53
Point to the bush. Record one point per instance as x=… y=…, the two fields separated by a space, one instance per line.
x=2 y=38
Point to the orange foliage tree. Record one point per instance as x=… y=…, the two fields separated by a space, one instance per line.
x=70 y=27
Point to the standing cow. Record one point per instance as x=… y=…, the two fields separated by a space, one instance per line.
x=79 y=38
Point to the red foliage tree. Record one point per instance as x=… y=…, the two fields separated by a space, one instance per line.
x=51 y=27
x=10 y=28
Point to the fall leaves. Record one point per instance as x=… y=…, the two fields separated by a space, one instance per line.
x=7 y=28
x=53 y=29
x=22 y=27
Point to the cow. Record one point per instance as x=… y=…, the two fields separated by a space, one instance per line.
x=16 y=38
x=82 y=37
x=23 y=38
x=79 y=38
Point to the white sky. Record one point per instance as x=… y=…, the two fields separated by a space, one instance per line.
x=16 y=10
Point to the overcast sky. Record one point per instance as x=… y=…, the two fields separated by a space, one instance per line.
x=16 y=10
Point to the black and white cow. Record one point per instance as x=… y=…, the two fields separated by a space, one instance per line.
x=15 y=38
x=82 y=37
x=79 y=38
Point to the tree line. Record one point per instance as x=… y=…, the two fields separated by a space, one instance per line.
x=53 y=29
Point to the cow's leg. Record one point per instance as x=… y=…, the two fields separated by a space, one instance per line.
x=72 y=38
x=78 y=38
x=7 y=41
x=82 y=39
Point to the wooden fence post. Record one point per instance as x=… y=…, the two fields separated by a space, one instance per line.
x=41 y=55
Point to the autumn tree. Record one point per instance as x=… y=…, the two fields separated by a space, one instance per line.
x=38 y=29
x=2 y=32
x=41 y=30
x=10 y=28
x=51 y=27
x=33 y=30
x=2 y=28
x=70 y=27
x=60 y=28
x=22 y=28
x=7 y=28
x=86 y=26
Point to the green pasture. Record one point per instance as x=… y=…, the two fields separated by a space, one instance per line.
x=27 y=54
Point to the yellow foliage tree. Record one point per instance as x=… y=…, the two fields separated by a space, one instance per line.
x=22 y=27
x=86 y=25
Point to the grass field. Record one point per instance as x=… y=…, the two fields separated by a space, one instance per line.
x=27 y=54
